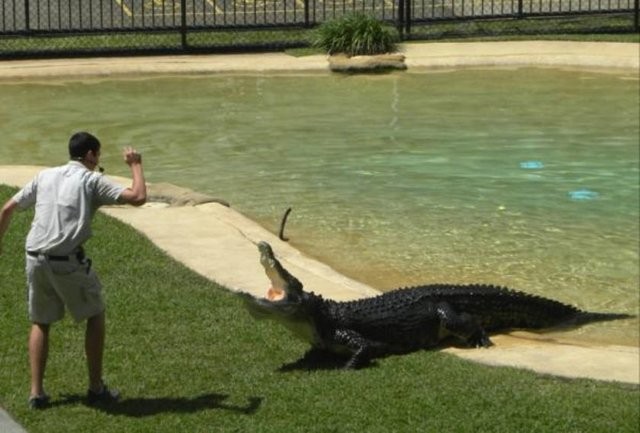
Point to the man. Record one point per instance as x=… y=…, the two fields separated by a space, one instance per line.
x=59 y=275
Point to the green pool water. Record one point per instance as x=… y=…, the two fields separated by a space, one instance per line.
x=527 y=178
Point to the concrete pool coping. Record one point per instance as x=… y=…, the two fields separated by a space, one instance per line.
x=419 y=57
x=226 y=238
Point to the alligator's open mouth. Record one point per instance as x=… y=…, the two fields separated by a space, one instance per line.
x=284 y=286
x=277 y=291
x=275 y=295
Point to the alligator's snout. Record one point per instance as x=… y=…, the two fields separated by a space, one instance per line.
x=265 y=249
x=267 y=258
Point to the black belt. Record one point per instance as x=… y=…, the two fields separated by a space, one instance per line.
x=79 y=255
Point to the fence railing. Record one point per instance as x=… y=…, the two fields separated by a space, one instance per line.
x=33 y=26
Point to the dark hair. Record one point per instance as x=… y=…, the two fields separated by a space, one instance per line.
x=81 y=143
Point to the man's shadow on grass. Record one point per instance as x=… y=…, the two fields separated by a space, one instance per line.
x=143 y=407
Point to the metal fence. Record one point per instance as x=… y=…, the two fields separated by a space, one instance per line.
x=79 y=27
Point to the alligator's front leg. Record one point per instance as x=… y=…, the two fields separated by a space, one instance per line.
x=362 y=349
x=462 y=326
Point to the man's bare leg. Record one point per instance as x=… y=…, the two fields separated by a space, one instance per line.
x=38 y=354
x=94 y=349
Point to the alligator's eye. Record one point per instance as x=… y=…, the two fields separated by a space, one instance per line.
x=274 y=294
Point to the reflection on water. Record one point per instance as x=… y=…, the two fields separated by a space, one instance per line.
x=525 y=178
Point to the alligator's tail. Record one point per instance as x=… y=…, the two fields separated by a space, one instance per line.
x=544 y=313
x=497 y=308
x=584 y=317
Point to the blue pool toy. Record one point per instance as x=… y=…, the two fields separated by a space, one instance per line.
x=531 y=165
x=583 y=194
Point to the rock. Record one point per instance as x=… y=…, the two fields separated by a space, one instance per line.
x=374 y=63
x=177 y=196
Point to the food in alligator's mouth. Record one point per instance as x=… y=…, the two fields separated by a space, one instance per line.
x=274 y=294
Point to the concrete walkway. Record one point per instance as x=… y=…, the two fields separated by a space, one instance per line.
x=8 y=425
x=226 y=239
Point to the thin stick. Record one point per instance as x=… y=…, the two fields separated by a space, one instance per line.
x=282 y=224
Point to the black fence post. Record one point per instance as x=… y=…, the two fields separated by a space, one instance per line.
x=306 y=13
x=27 y=25
x=400 y=19
x=407 y=22
x=183 y=23
x=520 y=9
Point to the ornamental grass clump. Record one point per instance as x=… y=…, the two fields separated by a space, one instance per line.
x=356 y=35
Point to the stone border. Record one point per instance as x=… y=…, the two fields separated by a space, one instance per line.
x=173 y=195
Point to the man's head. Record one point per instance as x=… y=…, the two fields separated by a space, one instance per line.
x=85 y=148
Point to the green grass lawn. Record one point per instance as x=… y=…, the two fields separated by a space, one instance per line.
x=188 y=358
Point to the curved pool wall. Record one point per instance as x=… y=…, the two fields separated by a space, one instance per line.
x=526 y=178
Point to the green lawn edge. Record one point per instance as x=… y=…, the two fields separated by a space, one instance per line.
x=186 y=356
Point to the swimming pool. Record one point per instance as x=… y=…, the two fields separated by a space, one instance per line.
x=521 y=177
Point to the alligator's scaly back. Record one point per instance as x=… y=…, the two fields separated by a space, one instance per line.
x=498 y=308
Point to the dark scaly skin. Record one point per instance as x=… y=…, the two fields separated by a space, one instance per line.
x=407 y=319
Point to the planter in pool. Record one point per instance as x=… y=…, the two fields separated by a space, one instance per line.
x=374 y=63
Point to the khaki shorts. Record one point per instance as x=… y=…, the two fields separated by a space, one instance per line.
x=54 y=285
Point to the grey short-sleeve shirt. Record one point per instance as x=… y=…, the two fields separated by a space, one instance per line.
x=65 y=199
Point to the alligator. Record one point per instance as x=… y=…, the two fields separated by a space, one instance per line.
x=406 y=319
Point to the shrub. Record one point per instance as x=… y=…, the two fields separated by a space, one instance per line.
x=356 y=35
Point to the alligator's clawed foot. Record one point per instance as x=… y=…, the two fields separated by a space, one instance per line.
x=357 y=362
x=479 y=339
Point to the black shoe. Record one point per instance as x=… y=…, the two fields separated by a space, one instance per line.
x=105 y=395
x=39 y=401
